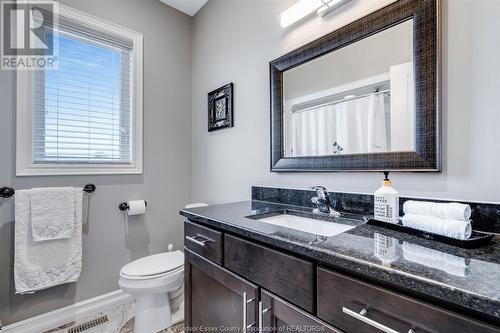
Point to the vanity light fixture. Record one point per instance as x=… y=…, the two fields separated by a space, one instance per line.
x=330 y=6
x=303 y=8
x=298 y=11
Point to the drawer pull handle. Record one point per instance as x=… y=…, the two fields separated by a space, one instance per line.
x=361 y=316
x=261 y=316
x=245 y=302
x=244 y=312
x=200 y=241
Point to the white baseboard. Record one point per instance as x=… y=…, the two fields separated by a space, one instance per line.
x=67 y=314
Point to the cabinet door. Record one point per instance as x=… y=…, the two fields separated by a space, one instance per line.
x=277 y=315
x=217 y=300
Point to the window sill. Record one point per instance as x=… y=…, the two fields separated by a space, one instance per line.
x=63 y=170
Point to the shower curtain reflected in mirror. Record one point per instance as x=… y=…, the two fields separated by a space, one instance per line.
x=356 y=126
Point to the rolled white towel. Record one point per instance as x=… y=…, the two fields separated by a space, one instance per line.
x=446 y=227
x=196 y=205
x=452 y=210
x=435 y=259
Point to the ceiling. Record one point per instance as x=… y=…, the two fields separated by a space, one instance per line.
x=189 y=7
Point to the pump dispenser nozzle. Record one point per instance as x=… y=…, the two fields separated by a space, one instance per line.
x=387 y=180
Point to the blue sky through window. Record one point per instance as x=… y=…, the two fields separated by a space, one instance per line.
x=83 y=101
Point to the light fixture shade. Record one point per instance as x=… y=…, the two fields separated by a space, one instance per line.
x=330 y=6
x=299 y=10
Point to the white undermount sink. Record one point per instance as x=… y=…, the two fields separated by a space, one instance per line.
x=305 y=224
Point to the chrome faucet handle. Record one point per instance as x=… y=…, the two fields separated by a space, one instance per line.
x=318 y=188
x=322 y=192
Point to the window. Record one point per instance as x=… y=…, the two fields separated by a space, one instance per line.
x=85 y=117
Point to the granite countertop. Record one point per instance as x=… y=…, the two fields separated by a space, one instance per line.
x=469 y=279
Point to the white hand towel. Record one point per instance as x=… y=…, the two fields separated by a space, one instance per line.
x=196 y=205
x=452 y=211
x=450 y=228
x=435 y=259
x=52 y=213
x=40 y=265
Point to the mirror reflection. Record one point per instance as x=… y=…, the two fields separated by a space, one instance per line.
x=353 y=101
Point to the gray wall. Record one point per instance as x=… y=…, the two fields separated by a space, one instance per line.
x=235 y=40
x=165 y=184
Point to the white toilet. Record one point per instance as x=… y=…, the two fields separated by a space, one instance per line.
x=157 y=284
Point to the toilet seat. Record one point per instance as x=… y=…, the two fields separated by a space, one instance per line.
x=152 y=277
x=154 y=266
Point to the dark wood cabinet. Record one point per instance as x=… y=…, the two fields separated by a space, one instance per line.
x=280 y=273
x=237 y=285
x=277 y=315
x=217 y=300
x=204 y=241
x=358 y=307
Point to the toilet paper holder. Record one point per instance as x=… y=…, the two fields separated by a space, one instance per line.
x=124 y=206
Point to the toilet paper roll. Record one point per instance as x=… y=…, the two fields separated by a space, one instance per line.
x=136 y=207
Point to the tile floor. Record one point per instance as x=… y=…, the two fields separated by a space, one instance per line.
x=129 y=328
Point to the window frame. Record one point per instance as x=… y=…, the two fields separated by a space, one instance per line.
x=25 y=165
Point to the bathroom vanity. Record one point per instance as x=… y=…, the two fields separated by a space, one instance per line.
x=277 y=264
x=242 y=272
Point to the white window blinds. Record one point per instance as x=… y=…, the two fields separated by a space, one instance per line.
x=83 y=110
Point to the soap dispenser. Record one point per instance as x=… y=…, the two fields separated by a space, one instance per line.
x=386 y=201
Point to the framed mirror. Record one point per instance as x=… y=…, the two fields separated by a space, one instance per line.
x=365 y=97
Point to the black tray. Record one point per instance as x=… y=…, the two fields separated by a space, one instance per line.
x=477 y=239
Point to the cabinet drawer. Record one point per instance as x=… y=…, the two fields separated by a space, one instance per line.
x=204 y=241
x=341 y=300
x=282 y=274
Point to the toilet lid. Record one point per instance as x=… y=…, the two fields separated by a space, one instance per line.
x=155 y=264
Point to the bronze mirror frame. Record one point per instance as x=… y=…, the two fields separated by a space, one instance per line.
x=426 y=15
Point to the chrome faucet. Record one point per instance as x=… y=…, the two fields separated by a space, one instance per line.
x=323 y=202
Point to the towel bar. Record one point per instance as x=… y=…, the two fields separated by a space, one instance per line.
x=7 y=191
